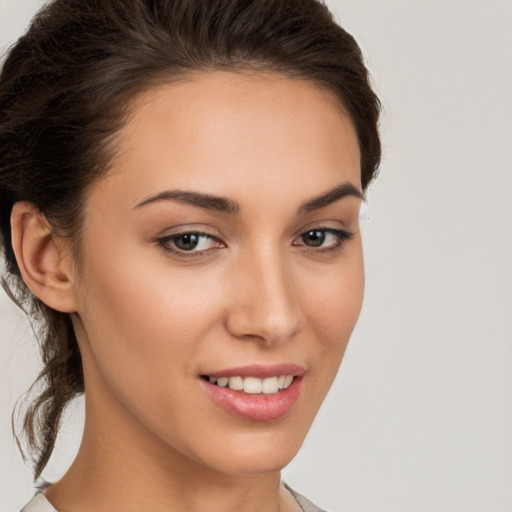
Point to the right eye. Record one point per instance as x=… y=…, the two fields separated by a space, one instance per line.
x=187 y=244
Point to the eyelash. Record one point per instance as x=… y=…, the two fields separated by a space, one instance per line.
x=342 y=235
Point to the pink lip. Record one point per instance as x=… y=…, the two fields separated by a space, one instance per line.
x=257 y=407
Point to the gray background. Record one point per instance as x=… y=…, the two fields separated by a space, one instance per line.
x=420 y=417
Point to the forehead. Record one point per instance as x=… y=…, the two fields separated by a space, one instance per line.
x=221 y=132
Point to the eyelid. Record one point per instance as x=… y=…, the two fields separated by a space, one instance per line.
x=326 y=225
x=201 y=228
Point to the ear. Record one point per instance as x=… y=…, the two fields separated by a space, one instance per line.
x=44 y=259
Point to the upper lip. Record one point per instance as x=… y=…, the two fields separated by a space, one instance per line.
x=260 y=370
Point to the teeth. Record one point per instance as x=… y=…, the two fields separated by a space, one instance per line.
x=236 y=383
x=222 y=381
x=270 y=385
x=254 y=385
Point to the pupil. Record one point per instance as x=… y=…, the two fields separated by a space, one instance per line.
x=315 y=238
x=187 y=242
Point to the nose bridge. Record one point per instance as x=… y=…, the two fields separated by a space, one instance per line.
x=264 y=304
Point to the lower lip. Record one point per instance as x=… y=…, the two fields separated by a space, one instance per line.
x=255 y=407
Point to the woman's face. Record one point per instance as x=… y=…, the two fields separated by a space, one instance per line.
x=222 y=252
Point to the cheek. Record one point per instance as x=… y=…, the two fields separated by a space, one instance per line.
x=338 y=299
x=142 y=319
x=332 y=310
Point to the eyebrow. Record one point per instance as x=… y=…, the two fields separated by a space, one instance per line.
x=207 y=201
x=329 y=197
x=226 y=205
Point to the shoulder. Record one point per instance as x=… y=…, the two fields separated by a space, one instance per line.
x=38 y=503
x=304 y=503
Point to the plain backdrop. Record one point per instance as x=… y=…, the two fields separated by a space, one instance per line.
x=420 y=416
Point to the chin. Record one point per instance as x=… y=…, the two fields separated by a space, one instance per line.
x=250 y=455
x=254 y=464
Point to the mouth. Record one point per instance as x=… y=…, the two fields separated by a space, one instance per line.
x=252 y=385
x=255 y=393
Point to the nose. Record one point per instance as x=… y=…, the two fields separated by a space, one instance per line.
x=263 y=305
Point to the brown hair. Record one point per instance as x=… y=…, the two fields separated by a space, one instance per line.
x=65 y=90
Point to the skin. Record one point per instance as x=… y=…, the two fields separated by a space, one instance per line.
x=150 y=321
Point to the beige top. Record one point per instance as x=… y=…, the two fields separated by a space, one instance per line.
x=39 y=503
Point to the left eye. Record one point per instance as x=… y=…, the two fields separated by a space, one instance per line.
x=323 y=238
x=188 y=242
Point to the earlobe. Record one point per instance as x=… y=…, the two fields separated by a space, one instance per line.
x=44 y=259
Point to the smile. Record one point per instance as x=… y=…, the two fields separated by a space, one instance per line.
x=254 y=385
x=255 y=392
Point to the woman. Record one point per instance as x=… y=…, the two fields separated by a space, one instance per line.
x=180 y=189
